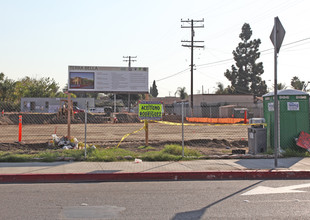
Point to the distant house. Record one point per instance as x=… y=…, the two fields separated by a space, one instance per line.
x=228 y=99
x=169 y=103
x=51 y=105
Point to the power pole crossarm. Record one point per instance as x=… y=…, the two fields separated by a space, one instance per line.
x=192 y=21
x=130 y=59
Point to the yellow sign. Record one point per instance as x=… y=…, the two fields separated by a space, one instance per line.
x=149 y=110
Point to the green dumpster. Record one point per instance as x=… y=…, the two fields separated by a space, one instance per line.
x=293 y=117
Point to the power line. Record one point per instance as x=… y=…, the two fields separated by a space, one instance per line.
x=226 y=60
x=173 y=75
x=284 y=45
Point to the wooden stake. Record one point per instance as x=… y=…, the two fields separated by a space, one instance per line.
x=146 y=127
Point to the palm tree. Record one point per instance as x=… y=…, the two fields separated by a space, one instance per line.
x=181 y=92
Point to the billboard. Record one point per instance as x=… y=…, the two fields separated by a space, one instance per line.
x=108 y=79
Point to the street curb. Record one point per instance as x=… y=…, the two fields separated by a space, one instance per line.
x=153 y=176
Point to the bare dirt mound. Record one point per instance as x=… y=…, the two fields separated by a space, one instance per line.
x=127 y=118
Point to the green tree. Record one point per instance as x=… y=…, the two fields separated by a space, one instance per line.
x=154 y=90
x=299 y=85
x=245 y=76
x=221 y=90
x=63 y=93
x=181 y=91
x=31 y=87
x=281 y=86
x=7 y=87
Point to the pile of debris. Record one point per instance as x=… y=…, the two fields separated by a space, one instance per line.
x=64 y=142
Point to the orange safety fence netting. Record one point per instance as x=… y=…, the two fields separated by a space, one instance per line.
x=217 y=120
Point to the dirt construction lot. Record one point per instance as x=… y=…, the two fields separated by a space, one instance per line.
x=209 y=139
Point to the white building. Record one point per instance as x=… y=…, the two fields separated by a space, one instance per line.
x=51 y=105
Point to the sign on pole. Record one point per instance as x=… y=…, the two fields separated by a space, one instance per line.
x=150 y=110
x=280 y=33
x=277 y=36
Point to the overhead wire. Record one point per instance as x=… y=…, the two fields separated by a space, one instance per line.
x=220 y=62
x=173 y=75
x=258 y=18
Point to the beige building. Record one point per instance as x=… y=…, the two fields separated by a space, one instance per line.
x=209 y=99
x=168 y=100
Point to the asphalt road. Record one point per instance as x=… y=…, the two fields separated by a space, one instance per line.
x=157 y=200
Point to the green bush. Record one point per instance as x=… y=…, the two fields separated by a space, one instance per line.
x=159 y=156
x=48 y=156
x=169 y=153
x=109 y=155
x=14 y=157
x=296 y=153
x=177 y=150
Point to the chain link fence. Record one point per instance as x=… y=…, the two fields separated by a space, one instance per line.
x=107 y=127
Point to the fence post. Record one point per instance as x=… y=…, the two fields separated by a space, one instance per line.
x=85 y=129
x=69 y=115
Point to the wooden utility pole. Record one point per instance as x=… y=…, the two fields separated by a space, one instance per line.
x=192 y=46
x=129 y=60
x=129 y=65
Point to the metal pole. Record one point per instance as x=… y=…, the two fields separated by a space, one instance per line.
x=85 y=152
x=279 y=126
x=69 y=108
x=182 y=129
x=276 y=113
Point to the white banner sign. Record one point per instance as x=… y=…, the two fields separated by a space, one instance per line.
x=108 y=79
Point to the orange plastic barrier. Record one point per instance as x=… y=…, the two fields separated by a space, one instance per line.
x=217 y=120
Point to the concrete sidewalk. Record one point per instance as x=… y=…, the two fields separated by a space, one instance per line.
x=293 y=168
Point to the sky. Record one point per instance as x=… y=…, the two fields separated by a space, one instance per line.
x=42 y=38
